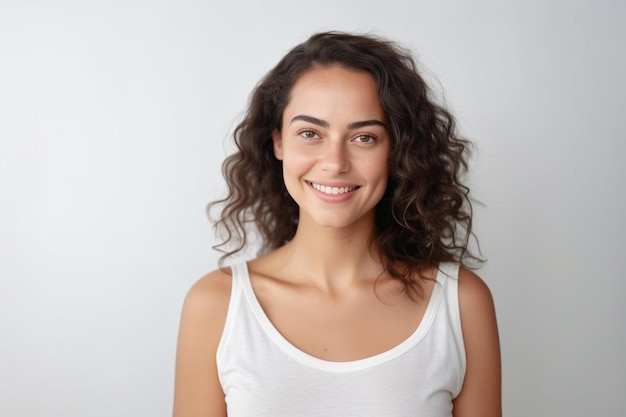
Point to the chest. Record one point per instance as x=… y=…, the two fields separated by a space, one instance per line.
x=360 y=325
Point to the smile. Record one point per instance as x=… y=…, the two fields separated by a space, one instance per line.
x=332 y=190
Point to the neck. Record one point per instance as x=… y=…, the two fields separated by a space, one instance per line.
x=335 y=257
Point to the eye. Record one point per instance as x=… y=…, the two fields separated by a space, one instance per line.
x=308 y=134
x=365 y=139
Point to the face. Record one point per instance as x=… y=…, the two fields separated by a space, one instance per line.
x=334 y=145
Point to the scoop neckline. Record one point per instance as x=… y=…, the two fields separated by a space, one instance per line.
x=342 y=366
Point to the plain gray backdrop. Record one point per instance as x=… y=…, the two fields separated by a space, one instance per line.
x=114 y=120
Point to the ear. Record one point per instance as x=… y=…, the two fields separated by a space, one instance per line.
x=277 y=138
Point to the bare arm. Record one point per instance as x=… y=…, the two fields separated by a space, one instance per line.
x=481 y=392
x=198 y=392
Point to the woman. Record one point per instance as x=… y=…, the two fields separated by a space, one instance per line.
x=358 y=306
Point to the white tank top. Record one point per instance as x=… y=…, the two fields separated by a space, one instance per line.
x=263 y=374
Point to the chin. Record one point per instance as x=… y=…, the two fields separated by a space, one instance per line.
x=337 y=221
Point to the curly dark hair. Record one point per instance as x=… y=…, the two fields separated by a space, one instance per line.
x=425 y=216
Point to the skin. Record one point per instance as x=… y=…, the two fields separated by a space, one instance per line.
x=333 y=134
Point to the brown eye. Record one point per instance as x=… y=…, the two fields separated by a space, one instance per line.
x=364 y=139
x=308 y=134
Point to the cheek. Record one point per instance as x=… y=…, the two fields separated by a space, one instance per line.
x=379 y=167
x=294 y=168
x=296 y=163
x=379 y=174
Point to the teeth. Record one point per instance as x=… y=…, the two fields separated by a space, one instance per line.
x=332 y=190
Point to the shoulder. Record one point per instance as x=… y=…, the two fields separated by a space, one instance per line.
x=197 y=388
x=204 y=311
x=208 y=298
x=478 y=317
x=473 y=292
x=213 y=286
x=480 y=394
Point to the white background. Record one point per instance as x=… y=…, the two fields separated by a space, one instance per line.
x=114 y=120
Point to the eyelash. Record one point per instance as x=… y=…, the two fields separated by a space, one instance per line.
x=304 y=133
x=370 y=138
x=314 y=135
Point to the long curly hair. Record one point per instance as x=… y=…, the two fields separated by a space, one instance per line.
x=425 y=215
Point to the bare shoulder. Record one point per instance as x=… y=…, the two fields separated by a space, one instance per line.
x=204 y=311
x=478 y=316
x=210 y=295
x=481 y=392
x=473 y=292
x=197 y=389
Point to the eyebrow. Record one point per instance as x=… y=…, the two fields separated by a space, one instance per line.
x=325 y=124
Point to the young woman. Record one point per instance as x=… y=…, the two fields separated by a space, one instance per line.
x=360 y=304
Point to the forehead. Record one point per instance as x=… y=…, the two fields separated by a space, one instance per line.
x=335 y=91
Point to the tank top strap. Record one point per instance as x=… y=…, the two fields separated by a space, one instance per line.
x=448 y=278
x=239 y=274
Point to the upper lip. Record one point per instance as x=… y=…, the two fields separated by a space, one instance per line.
x=333 y=184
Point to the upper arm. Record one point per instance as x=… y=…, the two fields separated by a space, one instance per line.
x=481 y=392
x=197 y=389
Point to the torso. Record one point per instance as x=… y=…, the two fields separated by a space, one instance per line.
x=264 y=371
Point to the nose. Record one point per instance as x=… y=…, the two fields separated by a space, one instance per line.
x=335 y=159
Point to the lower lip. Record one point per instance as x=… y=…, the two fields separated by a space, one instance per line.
x=332 y=198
